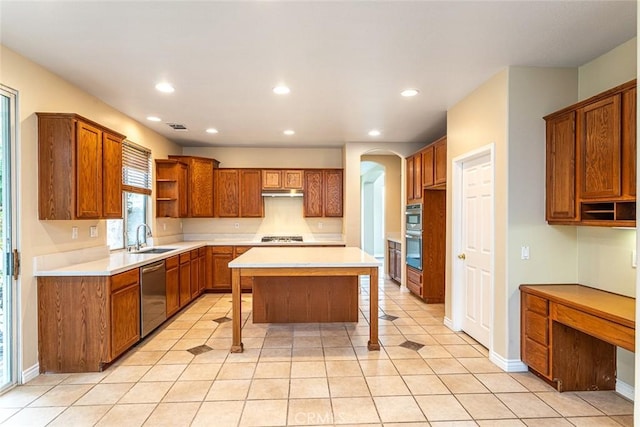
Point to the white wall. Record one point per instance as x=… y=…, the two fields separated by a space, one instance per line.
x=42 y=91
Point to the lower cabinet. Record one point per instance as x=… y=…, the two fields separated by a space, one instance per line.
x=394 y=260
x=173 y=284
x=218 y=271
x=195 y=274
x=534 y=345
x=414 y=281
x=125 y=311
x=86 y=322
x=185 y=279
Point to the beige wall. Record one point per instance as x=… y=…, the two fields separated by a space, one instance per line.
x=478 y=120
x=611 y=69
x=392 y=185
x=255 y=157
x=41 y=91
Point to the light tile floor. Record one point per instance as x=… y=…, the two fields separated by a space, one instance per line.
x=307 y=374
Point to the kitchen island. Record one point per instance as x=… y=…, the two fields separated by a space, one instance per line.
x=319 y=279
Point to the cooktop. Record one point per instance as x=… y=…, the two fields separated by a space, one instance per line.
x=282 y=239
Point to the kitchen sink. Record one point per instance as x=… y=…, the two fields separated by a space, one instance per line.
x=153 y=251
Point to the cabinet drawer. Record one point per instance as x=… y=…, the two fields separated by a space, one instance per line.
x=222 y=249
x=171 y=262
x=536 y=327
x=202 y=251
x=611 y=332
x=242 y=249
x=536 y=304
x=127 y=278
x=185 y=257
x=416 y=288
x=536 y=356
x=415 y=277
x=194 y=254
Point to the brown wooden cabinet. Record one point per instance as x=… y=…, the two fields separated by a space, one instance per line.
x=173 y=284
x=125 y=311
x=427 y=166
x=434 y=224
x=219 y=274
x=414 y=178
x=414 y=281
x=394 y=260
x=171 y=189
x=246 y=283
x=440 y=162
x=85 y=323
x=275 y=179
x=195 y=274
x=79 y=168
x=199 y=185
x=323 y=193
x=238 y=193
x=433 y=169
x=185 y=278
x=591 y=160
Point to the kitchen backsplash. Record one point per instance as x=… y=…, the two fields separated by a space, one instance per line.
x=282 y=216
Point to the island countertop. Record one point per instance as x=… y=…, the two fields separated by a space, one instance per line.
x=320 y=257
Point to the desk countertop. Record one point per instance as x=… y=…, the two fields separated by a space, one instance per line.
x=320 y=257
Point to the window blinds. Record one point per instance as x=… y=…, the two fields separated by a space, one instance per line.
x=136 y=168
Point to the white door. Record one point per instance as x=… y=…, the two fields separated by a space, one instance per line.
x=476 y=247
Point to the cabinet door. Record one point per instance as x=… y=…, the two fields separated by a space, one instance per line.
x=410 y=180
x=427 y=166
x=391 y=250
x=201 y=187
x=88 y=171
x=599 y=149
x=271 y=179
x=251 y=202
x=173 y=290
x=111 y=176
x=185 y=279
x=313 y=194
x=292 y=179
x=246 y=283
x=417 y=177
x=125 y=311
x=629 y=100
x=195 y=274
x=398 y=262
x=440 y=162
x=202 y=269
x=561 y=156
x=220 y=268
x=333 y=193
x=227 y=193
x=183 y=194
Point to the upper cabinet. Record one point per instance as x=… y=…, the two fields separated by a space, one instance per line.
x=238 y=193
x=323 y=193
x=79 y=168
x=274 y=179
x=591 y=160
x=199 y=185
x=427 y=170
x=171 y=189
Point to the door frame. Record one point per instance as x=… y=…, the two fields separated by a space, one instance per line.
x=14 y=218
x=457 y=269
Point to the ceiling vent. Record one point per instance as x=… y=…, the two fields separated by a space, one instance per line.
x=178 y=127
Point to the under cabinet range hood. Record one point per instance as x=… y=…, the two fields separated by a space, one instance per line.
x=281 y=193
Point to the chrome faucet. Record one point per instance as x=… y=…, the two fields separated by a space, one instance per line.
x=138 y=244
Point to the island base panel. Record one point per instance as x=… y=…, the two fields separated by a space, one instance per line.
x=303 y=299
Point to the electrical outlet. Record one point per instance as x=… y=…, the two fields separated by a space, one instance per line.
x=320 y=226
x=164 y=227
x=236 y=225
x=93 y=231
x=74 y=232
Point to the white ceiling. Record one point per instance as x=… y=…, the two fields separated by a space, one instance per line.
x=345 y=61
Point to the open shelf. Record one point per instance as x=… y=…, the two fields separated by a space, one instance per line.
x=616 y=213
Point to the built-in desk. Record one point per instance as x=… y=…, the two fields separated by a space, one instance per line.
x=569 y=334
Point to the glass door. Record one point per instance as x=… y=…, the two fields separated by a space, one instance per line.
x=8 y=326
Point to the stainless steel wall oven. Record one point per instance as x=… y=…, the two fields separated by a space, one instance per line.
x=413 y=236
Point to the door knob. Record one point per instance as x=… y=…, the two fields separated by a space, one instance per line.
x=462 y=256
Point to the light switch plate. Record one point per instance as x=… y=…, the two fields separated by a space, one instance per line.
x=93 y=231
x=634 y=259
x=74 y=232
x=524 y=252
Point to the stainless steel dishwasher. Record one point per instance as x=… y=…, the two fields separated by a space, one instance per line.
x=153 y=297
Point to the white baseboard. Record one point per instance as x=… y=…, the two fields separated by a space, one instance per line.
x=30 y=373
x=448 y=323
x=507 y=365
x=624 y=389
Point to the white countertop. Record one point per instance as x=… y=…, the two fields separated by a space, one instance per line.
x=283 y=257
x=101 y=262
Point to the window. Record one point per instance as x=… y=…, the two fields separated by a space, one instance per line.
x=136 y=185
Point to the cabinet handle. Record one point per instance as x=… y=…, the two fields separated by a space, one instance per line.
x=462 y=256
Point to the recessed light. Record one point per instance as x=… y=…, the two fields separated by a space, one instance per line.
x=409 y=92
x=165 y=87
x=154 y=119
x=212 y=130
x=374 y=132
x=289 y=132
x=281 y=90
